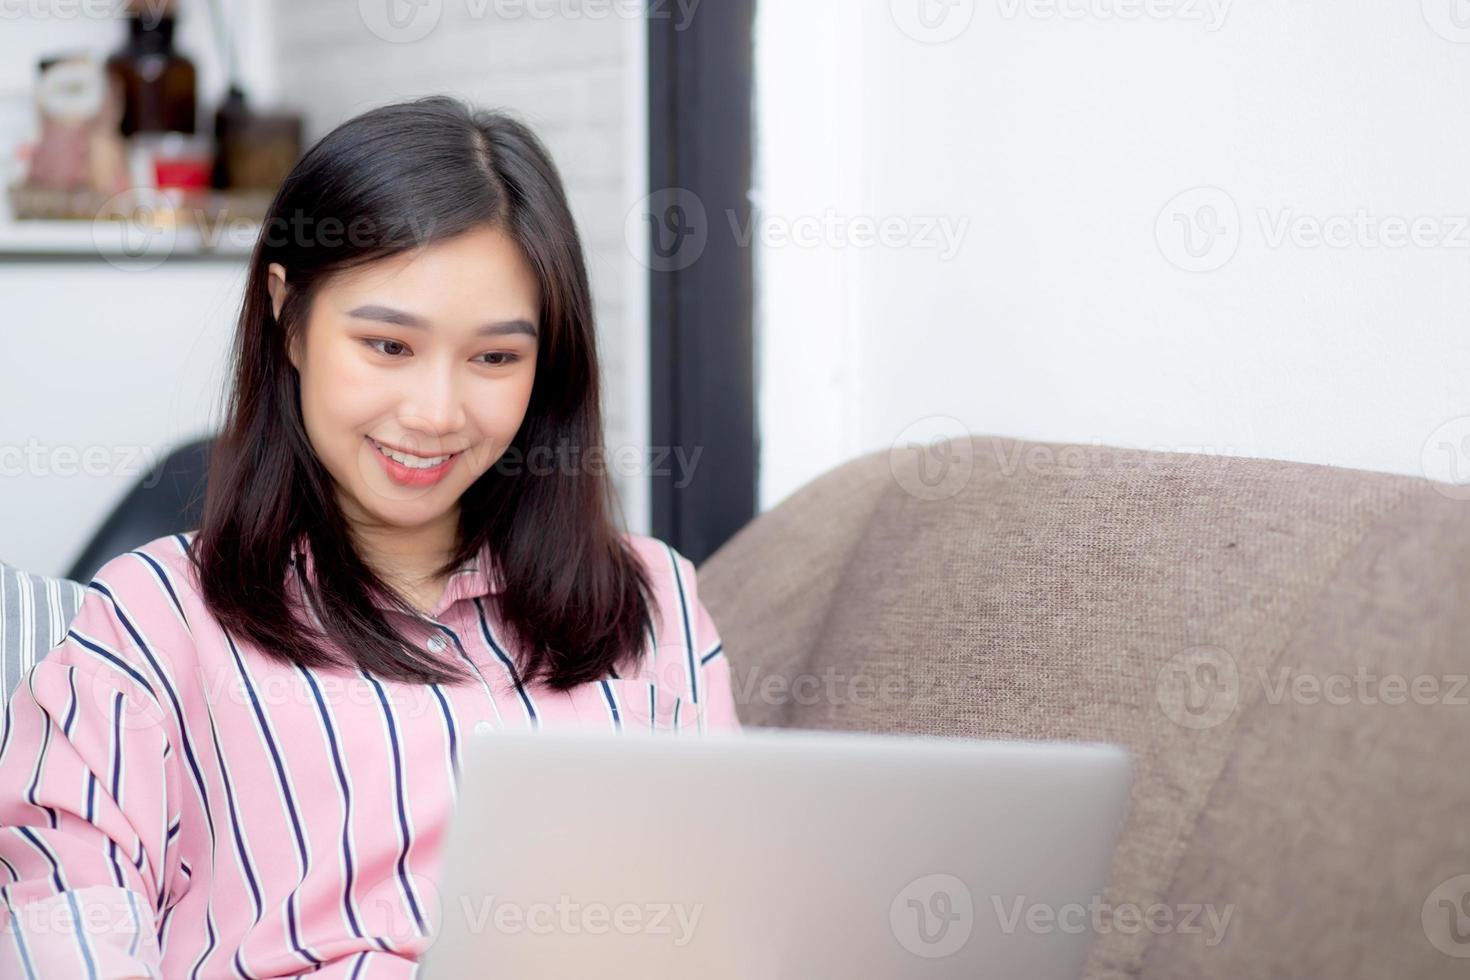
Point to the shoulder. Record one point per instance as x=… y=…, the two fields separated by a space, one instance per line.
x=644 y=545
x=681 y=614
x=668 y=569
x=159 y=571
x=131 y=633
x=141 y=608
x=687 y=649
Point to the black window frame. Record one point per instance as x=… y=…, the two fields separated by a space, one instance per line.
x=701 y=334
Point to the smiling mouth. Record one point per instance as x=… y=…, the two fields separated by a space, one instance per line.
x=411 y=460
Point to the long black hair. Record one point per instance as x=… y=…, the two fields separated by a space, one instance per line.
x=575 y=600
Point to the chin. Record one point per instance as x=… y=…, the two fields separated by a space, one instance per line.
x=404 y=513
x=408 y=516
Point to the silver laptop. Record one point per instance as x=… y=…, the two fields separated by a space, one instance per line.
x=775 y=854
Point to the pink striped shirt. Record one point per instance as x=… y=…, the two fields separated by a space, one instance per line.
x=176 y=804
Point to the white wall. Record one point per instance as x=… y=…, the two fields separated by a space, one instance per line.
x=1052 y=139
x=105 y=370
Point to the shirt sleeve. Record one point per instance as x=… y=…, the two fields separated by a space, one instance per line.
x=88 y=798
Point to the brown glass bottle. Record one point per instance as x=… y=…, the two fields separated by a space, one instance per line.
x=158 y=85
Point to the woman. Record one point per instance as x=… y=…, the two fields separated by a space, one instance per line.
x=242 y=758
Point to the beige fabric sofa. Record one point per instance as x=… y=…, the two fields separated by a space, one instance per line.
x=1282 y=646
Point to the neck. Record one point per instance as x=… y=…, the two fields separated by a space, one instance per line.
x=407 y=557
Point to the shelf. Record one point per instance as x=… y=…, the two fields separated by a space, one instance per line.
x=122 y=243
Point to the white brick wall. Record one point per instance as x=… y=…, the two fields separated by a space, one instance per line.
x=577 y=80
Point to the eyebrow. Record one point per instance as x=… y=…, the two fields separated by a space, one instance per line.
x=386 y=314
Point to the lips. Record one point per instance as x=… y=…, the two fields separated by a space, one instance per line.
x=410 y=469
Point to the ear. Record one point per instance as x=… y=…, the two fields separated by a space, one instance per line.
x=275 y=283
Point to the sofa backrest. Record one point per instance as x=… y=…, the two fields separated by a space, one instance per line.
x=1282 y=646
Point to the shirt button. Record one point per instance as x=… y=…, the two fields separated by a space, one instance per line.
x=483 y=728
x=436 y=645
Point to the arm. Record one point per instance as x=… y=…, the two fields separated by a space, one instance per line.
x=88 y=789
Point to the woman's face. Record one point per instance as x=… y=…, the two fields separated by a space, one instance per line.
x=416 y=371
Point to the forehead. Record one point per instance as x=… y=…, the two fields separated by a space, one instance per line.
x=474 y=275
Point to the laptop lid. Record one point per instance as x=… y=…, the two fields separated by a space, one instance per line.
x=774 y=853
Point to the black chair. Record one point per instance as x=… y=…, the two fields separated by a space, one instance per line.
x=167 y=500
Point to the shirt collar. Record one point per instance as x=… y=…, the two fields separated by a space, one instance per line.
x=473 y=579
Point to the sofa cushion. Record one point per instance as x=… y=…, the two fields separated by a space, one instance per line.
x=34 y=613
x=1183 y=606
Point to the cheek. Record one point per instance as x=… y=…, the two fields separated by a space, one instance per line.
x=503 y=415
x=339 y=395
x=498 y=415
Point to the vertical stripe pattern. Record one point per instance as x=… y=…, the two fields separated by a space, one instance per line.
x=188 y=806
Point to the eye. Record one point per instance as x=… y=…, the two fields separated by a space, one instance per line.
x=509 y=358
x=390 y=347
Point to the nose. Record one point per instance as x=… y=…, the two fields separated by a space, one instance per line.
x=432 y=406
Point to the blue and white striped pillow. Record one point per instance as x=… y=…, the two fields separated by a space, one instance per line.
x=34 y=614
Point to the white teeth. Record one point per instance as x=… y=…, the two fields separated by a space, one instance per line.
x=412 y=462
